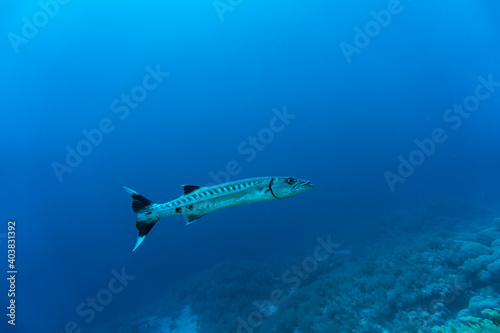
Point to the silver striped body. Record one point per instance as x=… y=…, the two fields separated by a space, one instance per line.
x=198 y=201
x=208 y=199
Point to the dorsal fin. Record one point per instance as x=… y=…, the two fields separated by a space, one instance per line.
x=189 y=188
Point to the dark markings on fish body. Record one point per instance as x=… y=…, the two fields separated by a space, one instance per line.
x=190 y=207
x=178 y=209
x=271 y=188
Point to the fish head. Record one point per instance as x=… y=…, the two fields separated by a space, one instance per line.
x=286 y=187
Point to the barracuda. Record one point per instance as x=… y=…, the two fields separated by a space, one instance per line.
x=198 y=201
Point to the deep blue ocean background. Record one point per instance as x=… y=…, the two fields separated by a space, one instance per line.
x=228 y=70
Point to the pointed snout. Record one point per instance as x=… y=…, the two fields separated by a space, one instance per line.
x=304 y=185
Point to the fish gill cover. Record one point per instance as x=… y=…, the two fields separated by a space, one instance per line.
x=391 y=108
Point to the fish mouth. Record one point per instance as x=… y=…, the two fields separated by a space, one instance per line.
x=303 y=186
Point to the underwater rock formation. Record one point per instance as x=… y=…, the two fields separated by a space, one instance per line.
x=419 y=282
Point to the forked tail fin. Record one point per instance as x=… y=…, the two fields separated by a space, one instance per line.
x=145 y=217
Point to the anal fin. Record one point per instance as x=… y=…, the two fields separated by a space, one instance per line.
x=191 y=218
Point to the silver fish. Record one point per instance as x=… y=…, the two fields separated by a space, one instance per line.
x=198 y=201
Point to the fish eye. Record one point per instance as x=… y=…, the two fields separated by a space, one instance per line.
x=289 y=181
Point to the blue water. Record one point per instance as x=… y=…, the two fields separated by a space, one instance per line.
x=205 y=80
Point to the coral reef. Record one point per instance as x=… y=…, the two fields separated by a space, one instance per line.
x=184 y=322
x=439 y=279
x=489 y=322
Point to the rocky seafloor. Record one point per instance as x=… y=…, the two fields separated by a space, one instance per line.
x=437 y=270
